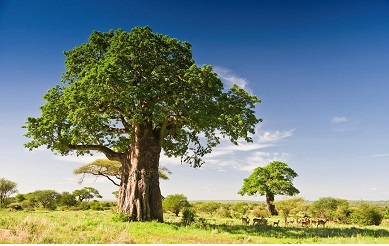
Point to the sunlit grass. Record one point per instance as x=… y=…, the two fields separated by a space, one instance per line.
x=74 y=227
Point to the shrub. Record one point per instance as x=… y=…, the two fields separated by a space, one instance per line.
x=240 y=209
x=175 y=203
x=121 y=217
x=67 y=199
x=367 y=215
x=223 y=212
x=330 y=208
x=188 y=216
x=84 y=206
x=95 y=205
x=261 y=211
x=386 y=213
x=15 y=206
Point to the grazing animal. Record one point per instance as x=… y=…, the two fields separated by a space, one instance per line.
x=321 y=222
x=276 y=223
x=245 y=221
x=260 y=221
x=305 y=223
x=290 y=222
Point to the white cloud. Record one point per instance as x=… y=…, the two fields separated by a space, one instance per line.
x=247 y=156
x=262 y=159
x=229 y=78
x=337 y=120
x=379 y=155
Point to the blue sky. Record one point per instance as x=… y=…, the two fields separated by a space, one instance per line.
x=319 y=67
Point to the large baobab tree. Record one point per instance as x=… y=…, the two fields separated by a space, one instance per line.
x=131 y=95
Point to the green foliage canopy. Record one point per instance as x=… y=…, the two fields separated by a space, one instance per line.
x=110 y=170
x=175 y=203
x=7 y=188
x=275 y=178
x=367 y=215
x=86 y=193
x=119 y=80
x=330 y=208
x=47 y=198
x=289 y=206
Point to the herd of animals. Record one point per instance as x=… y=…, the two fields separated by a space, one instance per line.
x=305 y=222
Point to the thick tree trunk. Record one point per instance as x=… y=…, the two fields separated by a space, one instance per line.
x=270 y=205
x=139 y=192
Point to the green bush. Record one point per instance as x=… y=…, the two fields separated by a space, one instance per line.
x=95 y=205
x=175 y=203
x=121 y=217
x=15 y=206
x=367 y=215
x=386 y=213
x=84 y=206
x=223 y=212
x=188 y=216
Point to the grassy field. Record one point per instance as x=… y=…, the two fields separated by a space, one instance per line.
x=73 y=227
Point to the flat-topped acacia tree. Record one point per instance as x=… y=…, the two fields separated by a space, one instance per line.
x=131 y=94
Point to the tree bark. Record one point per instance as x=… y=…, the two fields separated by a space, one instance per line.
x=270 y=205
x=139 y=193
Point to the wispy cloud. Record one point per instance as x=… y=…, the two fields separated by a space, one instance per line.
x=337 y=120
x=247 y=156
x=262 y=159
x=342 y=124
x=379 y=155
x=229 y=78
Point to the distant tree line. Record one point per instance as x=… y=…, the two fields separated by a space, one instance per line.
x=331 y=209
x=328 y=208
x=50 y=199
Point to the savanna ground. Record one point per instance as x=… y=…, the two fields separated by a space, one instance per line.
x=76 y=227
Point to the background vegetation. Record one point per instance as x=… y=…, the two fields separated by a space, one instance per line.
x=48 y=216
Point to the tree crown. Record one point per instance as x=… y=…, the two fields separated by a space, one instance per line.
x=119 y=80
x=273 y=179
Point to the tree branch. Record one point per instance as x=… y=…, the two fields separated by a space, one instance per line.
x=110 y=154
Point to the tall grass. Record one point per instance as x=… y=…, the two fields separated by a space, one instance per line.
x=75 y=227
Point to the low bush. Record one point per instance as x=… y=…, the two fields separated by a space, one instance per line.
x=188 y=216
x=367 y=215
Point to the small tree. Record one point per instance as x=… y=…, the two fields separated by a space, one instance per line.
x=208 y=207
x=86 y=194
x=47 y=198
x=271 y=180
x=111 y=170
x=174 y=203
x=367 y=215
x=286 y=207
x=330 y=208
x=67 y=199
x=240 y=209
x=7 y=188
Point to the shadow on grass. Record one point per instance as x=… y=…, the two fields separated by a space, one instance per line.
x=298 y=232
x=294 y=232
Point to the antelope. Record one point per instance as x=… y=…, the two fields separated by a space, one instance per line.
x=245 y=221
x=260 y=221
x=321 y=222
x=298 y=221
x=290 y=222
x=305 y=222
x=276 y=223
